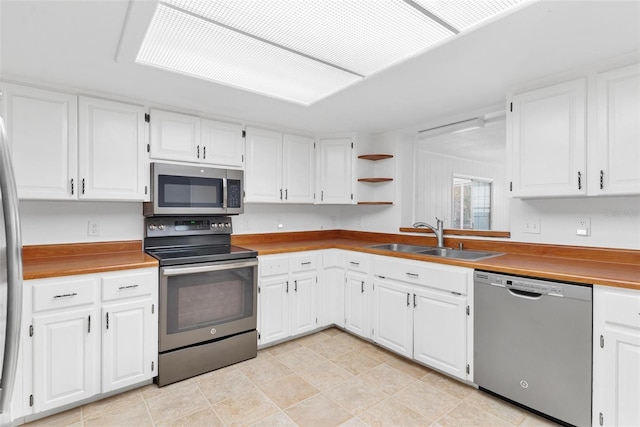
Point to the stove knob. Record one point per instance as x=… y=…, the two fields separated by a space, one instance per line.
x=220 y=225
x=161 y=227
x=213 y=225
x=152 y=227
x=227 y=224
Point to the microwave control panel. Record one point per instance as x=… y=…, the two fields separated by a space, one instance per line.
x=234 y=193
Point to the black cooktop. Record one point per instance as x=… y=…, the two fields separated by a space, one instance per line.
x=199 y=254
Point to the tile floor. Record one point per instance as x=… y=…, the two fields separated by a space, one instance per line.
x=326 y=379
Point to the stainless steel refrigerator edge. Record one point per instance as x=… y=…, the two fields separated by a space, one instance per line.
x=10 y=277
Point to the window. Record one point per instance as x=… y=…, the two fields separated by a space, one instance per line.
x=471 y=203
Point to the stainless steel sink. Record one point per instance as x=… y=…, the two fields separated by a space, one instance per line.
x=401 y=247
x=435 y=251
x=459 y=254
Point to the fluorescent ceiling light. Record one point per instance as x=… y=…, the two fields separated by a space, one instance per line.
x=300 y=50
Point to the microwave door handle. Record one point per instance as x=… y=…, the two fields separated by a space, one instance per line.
x=224 y=193
x=207 y=268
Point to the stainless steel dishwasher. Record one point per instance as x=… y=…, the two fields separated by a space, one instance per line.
x=532 y=344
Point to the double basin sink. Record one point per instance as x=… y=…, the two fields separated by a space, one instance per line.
x=462 y=254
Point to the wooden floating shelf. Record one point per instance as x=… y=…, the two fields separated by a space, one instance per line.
x=375 y=179
x=375 y=156
x=375 y=203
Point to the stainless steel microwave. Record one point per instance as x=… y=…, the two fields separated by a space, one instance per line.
x=194 y=190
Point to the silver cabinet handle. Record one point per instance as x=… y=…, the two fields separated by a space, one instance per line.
x=287 y=289
x=408 y=303
x=601 y=179
x=72 y=186
x=198 y=151
x=362 y=287
x=65 y=295
x=204 y=152
x=305 y=263
x=579 y=181
x=127 y=287
x=354 y=263
x=295 y=285
x=107 y=320
x=286 y=194
x=413 y=275
x=281 y=194
x=322 y=195
x=414 y=300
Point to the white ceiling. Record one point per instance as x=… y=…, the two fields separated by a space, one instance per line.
x=74 y=44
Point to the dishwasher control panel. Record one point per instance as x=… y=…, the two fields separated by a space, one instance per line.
x=527 y=284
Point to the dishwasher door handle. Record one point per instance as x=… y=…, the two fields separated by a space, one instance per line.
x=524 y=294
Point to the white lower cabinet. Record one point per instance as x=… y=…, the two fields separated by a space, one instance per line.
x=393 y=316
x=330 y=294
x=358 y=289
x=616 y=356
x=65 y=361
x=89 y=334
x=422 y=311
x=287 y=300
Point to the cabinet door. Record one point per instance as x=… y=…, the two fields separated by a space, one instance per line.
x=336 y=176
x=303 y=304
x=274 y=309
x=263 y=172
x=43 y=138
x=128 y=339
x=621 y=377
x=222 y=143
x=299 y=169
x=393 y=316
x=440 y=332
x=547 y=142
x=175 y=136
x=111 y=150
x=331 y=306
x=356 y=304
x=618 y=137
x=66 y=364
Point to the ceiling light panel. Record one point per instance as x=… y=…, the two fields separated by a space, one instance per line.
x=363 y=36
x=190 y=45
x=464 y=14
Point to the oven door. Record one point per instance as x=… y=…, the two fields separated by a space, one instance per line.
x=204 y=302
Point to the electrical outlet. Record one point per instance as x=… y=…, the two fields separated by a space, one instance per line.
x=583 y=226
x=531 y=226
x=93 y=228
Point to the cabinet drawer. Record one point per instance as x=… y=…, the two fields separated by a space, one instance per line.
x=445 y=277
x=303 y=262
x=58 y=294
x=128 y=285
x=405 y=271
x=356 y=261
x=274 y=265
x=622 y=307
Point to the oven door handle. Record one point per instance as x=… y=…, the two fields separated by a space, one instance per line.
x=207 y=268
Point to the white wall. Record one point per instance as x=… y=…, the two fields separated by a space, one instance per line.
x=266 y=218
x=615 y=221
x=48 y=222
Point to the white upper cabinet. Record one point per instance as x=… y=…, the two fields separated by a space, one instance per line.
x=186 y=138
x=336 y=171
x=112 y=162
x=263 y=174
x=299 y=168
x=546 y=141
x=174 y=136
x=222 y=143
x=280 y=167
x=43 y=138
x=618 y=132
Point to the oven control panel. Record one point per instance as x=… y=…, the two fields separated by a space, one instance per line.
x=180 y=226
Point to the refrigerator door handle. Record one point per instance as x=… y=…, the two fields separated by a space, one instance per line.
x=14 y=271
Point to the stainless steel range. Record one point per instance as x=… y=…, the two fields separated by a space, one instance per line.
x=208 y=295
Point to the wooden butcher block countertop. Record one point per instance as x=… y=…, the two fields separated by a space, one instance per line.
x=42 y=261
x=609 y=267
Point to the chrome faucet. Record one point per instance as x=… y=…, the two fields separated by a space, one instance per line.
x=439 y=230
